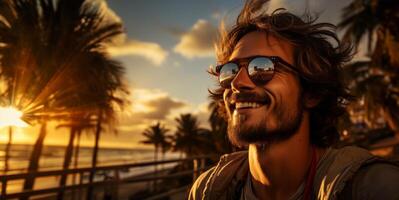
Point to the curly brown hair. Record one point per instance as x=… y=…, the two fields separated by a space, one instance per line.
x=318 y=59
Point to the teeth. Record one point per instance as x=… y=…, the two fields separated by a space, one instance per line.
x=247 y=105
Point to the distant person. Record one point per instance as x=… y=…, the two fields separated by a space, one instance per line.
x=287 y=116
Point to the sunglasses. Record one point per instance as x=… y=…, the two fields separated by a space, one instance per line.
x=260 y=69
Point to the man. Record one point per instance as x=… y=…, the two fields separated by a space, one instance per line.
x=282 y=97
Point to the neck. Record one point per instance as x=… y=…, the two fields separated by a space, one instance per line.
x=278 y=169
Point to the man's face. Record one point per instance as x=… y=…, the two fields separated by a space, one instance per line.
x=280 y=115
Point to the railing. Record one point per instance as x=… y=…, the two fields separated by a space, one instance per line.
x=115 y=180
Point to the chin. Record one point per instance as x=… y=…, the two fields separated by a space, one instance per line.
x=264 y=128
x=244 y=134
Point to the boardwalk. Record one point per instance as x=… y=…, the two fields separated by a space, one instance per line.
x=110 y=183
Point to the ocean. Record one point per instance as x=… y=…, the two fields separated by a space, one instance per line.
x=53 y=156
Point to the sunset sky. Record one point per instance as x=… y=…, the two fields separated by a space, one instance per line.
x=166 y=51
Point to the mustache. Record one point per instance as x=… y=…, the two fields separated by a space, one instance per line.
x=250 y=96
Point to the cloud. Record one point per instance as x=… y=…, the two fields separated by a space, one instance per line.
x=132 y=127
x=200 y=111
x=203 y=113
x=120 y=46
x=149 y=105
x=149 y=50
x=198 y=41
x=153 y=105
x=160 y=108
x=217 y=14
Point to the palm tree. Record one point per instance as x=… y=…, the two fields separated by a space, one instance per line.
x=156 y=135
x=218 y=129
x=7 y=150
x=21 y=69
x=367 y=18
x=105 y=95
x=375 y=81
x=189 y=138
x=53 y=59
x=76 y=125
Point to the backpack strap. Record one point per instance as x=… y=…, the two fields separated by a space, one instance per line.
x=337 y=168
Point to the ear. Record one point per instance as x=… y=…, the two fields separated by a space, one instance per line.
x=311 y=100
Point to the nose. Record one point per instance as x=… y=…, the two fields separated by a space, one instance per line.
x=242 y=81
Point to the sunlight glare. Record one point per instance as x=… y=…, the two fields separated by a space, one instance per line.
x=10 y=116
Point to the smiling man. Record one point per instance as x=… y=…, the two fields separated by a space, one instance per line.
x=282 y=96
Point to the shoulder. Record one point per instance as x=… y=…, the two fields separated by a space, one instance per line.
x=339 y=168
x=352 y=153
x=220 y=177
x=199 y=184
x=337 y=160
x=376 y=181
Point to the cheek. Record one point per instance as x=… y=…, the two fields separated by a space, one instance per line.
x=285 y=87
x=226 y=96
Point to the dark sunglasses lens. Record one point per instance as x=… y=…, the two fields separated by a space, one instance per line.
x=261 y=70
x=227 y=74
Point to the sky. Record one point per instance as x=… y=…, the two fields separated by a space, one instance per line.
x=166 y=51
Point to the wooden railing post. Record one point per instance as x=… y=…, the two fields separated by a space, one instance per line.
x=79 y=189
x=115 y=186
x=3 y=187
x=81 y=174
x=202 y=166
x=195 y=169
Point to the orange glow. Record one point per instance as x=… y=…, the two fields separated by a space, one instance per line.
x=19 y=136
x=10 y=116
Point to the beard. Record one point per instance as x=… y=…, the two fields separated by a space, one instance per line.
x=287 y=126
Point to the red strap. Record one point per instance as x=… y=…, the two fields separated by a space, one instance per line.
x=312 y=172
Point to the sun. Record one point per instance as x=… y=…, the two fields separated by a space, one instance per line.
x=10 y=116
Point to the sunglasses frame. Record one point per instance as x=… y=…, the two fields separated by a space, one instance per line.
x=244 y=62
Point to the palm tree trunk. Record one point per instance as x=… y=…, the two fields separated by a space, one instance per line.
x=162 y=158
x=155 y=167
x=67 y=161
x=75 y=161
x=76 y=153
x=94 y=158
x=7 y=150
x=34 y=159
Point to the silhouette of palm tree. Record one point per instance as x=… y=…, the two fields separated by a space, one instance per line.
x=156 y=135
x=7 y=149
x=76 y=125
x=55 y=66
x=189 y=138
x=218 y=129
